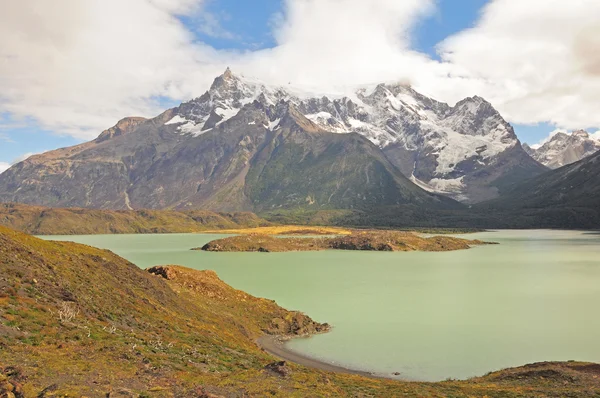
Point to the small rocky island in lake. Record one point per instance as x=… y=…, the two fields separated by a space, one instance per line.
x=369 y=240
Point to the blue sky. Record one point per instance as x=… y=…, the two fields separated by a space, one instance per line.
x=248 y=25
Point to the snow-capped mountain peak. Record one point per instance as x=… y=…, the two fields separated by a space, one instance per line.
x=228 y=94
x=437 y=144
x=563 y=148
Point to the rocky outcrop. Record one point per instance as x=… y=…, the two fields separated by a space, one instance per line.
x=11 y=379
x=124 y=126
x=278 y=368
x=296 y=324
x=263 y=244
x=399 y=241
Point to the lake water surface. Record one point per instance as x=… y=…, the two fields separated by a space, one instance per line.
x=430 y=316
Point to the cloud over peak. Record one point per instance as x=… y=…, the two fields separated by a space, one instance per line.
x=537 y=60
x=78 y=66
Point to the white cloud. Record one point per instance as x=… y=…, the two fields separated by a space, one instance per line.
x=336 y=43
x=537 y=60
x=3 y=167
x=79 y=66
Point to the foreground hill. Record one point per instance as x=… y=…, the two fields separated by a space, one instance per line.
x=37 y=220
x=79 y=321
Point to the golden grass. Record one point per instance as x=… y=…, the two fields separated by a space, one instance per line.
x=285 y=230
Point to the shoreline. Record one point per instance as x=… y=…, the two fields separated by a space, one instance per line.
x=275 y=345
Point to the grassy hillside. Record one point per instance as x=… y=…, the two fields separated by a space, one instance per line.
x=78 y=321
x=56 y=221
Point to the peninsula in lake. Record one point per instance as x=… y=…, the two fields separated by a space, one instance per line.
x=362 y=240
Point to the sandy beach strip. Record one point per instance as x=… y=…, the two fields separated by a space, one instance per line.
x=275 y=346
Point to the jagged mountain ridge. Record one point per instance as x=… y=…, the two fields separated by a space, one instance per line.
x=468 y=151
x=246 y=146
x=563 y=148
x=259 y=157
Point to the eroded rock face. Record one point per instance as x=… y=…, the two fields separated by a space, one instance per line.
x=279 y=368
x=296 y=324
x=360 y=242
x=204 y=282
x=11 y=379
x=163 y=271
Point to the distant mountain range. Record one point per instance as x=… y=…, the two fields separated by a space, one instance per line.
x=563 y=149
x=245 y=146
x=568 y=197
x=573 y=186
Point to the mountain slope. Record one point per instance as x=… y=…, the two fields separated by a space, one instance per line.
x=264 y=155
x=568 y=197
x=96 y=174
x=563 y=149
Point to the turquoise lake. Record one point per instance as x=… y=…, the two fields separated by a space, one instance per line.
x=428 y=316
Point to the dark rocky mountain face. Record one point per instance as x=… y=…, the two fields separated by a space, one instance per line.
x=245 y=146
x=563 y=149
x=568 y=197
x=574 y=186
